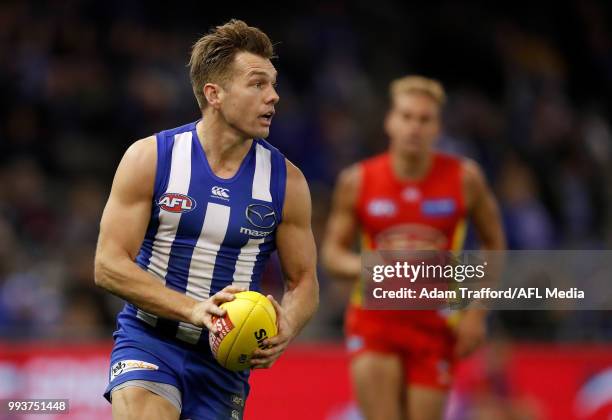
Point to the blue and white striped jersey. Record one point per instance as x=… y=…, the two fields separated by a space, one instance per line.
x=207 y=232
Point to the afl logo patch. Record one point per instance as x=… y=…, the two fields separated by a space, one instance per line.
x=176 y=203
x=382 y=207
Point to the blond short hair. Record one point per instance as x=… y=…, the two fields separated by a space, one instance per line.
x=418 y=84
x=213 y=54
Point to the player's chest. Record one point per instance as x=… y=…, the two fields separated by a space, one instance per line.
x=215 y=213
x=438 y=207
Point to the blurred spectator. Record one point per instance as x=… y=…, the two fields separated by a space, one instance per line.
x=528 y=223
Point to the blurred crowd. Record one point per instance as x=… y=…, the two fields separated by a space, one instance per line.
x=530 y=98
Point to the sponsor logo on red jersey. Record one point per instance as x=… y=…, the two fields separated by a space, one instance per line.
x=382 y=207
x=439 y=207
x=411 y=194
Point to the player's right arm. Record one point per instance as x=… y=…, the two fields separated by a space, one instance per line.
x=122 y=230
x=337 y=254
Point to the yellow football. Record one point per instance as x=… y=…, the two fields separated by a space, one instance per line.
x=249 y=320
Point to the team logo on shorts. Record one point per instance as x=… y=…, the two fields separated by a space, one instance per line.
x=176 y=203
x=125 y=366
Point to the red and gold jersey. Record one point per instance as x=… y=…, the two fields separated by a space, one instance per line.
x=396 y=214
x=400 y=214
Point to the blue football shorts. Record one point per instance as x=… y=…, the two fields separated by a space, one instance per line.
x=207 y=390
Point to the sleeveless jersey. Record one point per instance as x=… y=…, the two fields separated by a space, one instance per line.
x=403 y=214
x=207 y=232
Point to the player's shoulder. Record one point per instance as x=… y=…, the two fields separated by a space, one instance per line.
x=374 y=162
x=279 y=162
x=471 y=169
x=352 y=175
x=171 y=133
x=455 y=166
x=348 y=182
x=136 y=172
x=449 y=159
x=149 y=145
x=473 y=177
x=295 y=177
x=160 y=144
x=280 y=165
x=266 y=145
x=297 y=202
x=141 y=153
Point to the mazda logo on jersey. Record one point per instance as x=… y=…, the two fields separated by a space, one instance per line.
x=261 y=216
x=176 y=203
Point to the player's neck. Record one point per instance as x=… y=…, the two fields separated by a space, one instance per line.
x=221 y=144
x=411 y=167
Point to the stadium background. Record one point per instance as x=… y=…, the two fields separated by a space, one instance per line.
x=530 y=98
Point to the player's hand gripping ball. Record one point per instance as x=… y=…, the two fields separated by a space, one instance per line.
x=250 y=318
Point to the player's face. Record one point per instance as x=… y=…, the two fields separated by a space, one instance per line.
x=413 y=123
x=249 y=99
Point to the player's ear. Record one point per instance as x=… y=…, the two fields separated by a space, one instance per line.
x=213 y=94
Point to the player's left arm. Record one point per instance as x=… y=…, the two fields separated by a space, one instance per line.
x=482 y=208
x=484 y=214
x=298 y=258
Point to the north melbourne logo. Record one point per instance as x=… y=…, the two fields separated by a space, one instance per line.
x=219 y=192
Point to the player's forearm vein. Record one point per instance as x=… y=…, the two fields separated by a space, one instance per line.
x=301 y=302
